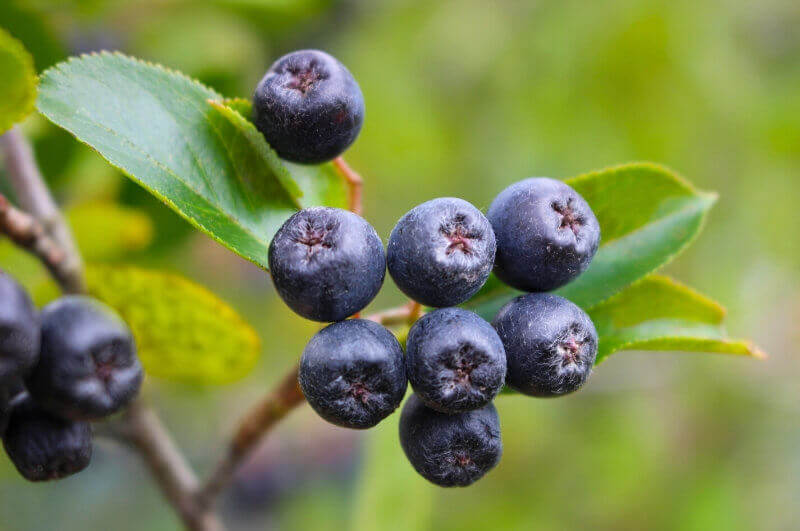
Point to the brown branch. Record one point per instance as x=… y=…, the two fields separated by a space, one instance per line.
x=253 y=426
x=145 y=432
x=354 y=182
x=26 y=232
x=44 y=233
x=34 y=197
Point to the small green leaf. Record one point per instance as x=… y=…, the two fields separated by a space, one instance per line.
x=176 y=138
x=647 y=216
x=183 y=331
x=17 y=81
x=124 y=230
x=658 y=313
x=391 y=496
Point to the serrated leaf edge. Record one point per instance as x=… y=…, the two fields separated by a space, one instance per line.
x=120 y=55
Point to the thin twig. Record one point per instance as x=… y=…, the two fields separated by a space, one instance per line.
x=26 y=232
x=34 y=197
x=143 y=429
x=253 y=426
x=401 y=315
x=414 y=312
x=354 y=182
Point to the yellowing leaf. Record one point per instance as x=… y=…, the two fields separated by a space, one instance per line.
x=182 y=330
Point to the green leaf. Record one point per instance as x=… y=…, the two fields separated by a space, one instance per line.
x=647 y=216
x=125 y=230
x=390 y=495
x=183 y=331
x=17 y=81
x=658 y=313
x=176 y=138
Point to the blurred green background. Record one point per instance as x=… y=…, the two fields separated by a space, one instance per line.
x=464 y=97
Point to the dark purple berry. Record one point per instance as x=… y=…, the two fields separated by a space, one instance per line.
x=45 y=447
x=352 y=373
x=450 y=450
x=455 y=360
x=551 y=344
x=309 y=107
x=19 y=331
x=441 y=252
x=88 y=367
x=546 y=234
x=327 y=263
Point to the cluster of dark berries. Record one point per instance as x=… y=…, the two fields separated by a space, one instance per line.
x=72 y=363
x=327 y=264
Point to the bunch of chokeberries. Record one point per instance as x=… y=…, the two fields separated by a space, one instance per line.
x=72 y=363
x=327 y=264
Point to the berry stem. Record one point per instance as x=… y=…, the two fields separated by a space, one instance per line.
x=355 y=184
x=406 y=314
x=414 y=312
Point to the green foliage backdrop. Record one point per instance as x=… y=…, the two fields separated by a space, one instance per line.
x=463 y=98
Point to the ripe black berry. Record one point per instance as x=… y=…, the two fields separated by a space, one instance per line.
x=309 y=107
x=546 y=234
x=19 y=331
x=551 y=344
x=326 y=263
x=352 y=373
x=441 y=252
x=43 y=446
x=455 y=360
x=450 y=450
x=88 y=367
